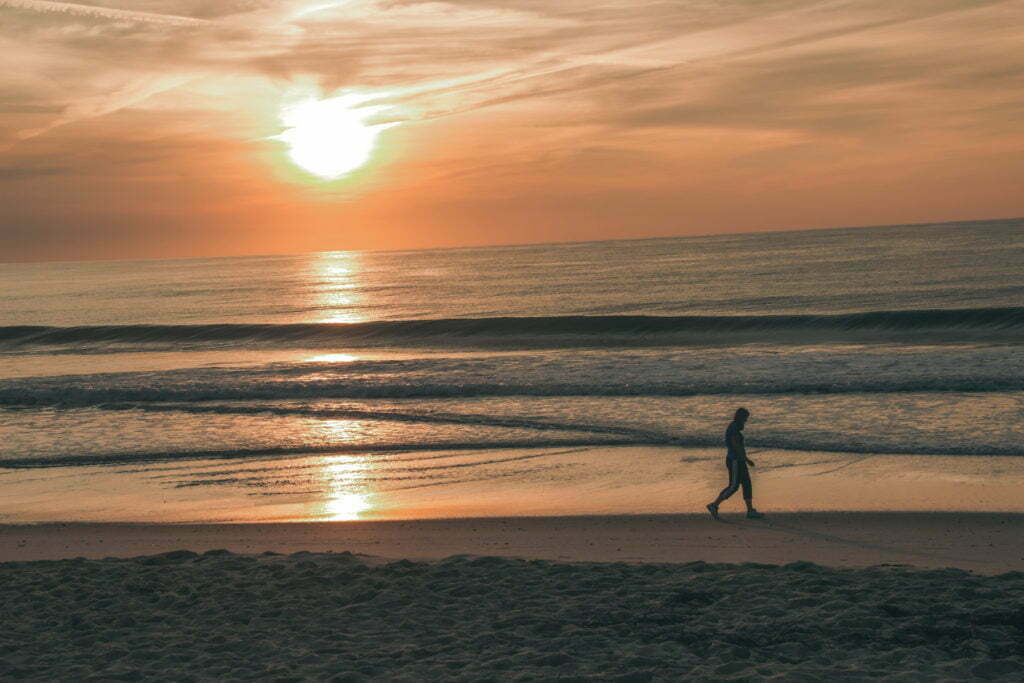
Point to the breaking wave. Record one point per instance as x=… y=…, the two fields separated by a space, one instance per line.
x=934 y=325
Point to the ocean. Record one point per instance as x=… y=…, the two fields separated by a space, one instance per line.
x=541 y=379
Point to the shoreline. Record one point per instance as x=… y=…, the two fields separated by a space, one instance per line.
x=985 y=543
x=489 y=483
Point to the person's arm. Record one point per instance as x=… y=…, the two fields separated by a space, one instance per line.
x=739 y=449
x=736 y=441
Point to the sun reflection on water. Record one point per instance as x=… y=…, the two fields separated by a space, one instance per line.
x=346 y=507
x=346 y=495
x=345 y=479
x=332 y=358
x=336 y=284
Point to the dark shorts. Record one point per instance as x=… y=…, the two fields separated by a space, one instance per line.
x=739 y=475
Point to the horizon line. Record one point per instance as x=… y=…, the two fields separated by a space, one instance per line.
x=506 y=245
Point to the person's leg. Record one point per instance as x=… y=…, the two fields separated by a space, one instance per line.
x=748 y=493
x=748 y=487
x=734 y=484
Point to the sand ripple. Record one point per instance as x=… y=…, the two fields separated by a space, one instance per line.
x=184 y=616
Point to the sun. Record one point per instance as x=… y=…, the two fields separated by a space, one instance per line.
x=331 y=137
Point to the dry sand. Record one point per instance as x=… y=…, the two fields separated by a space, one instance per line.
x=606 y=598
x=979 y=542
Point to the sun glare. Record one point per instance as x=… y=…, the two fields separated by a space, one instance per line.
x=344 y=507
x=331 y=137
x=347 y=496
x=336 y=277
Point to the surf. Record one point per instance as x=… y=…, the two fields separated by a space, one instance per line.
x=923 y=326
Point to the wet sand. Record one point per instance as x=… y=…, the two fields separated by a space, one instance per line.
x=595 y=482
x=980 y=542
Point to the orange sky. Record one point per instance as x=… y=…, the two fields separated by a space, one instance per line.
x=150 y=128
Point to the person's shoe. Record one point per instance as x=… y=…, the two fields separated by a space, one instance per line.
x=713 y=509
x=754 y=514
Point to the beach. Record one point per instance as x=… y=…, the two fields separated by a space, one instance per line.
x=843 y=596
x=493 y=463
x=569 y=482
x=479 y=340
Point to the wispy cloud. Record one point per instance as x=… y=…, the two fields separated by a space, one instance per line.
x=504 y=97
x=100 y=12
x=538 y=50
x=26 y=172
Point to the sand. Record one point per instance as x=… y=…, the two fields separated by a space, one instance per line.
x=607 y=598
x=496 y=483
x=183 y=616
x=980 y=542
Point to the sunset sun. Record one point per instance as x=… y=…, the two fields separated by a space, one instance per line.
x=331 y=137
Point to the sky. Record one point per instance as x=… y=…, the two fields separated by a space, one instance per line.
x=172 y=128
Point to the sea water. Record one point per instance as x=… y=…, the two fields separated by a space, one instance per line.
x=343 y=379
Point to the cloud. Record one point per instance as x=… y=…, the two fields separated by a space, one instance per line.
x=500 y=98
x=27 y=172
x=654 y=64
x=100 y=12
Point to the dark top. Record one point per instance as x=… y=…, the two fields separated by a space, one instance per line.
x=733 y=433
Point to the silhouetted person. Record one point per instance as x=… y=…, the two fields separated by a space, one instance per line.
x=736 y=461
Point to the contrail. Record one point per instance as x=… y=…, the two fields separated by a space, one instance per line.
x=270 y=18
x=266 y=21
x=102 y=12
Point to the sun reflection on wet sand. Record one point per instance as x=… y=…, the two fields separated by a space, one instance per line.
x=346 y=507
x=331 y=358
x=336 y=294
x=346 y=489
x=346 y=494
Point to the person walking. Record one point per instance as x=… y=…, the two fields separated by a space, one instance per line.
x=737 y=462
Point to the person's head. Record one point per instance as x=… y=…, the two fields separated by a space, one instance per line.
x=741 y=416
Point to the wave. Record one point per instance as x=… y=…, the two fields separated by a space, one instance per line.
x=588 y=433
x=935 y=325
x=101 y=397
x=823 y=445
x=58 y=395
x=136 y=458
x=639 y=436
